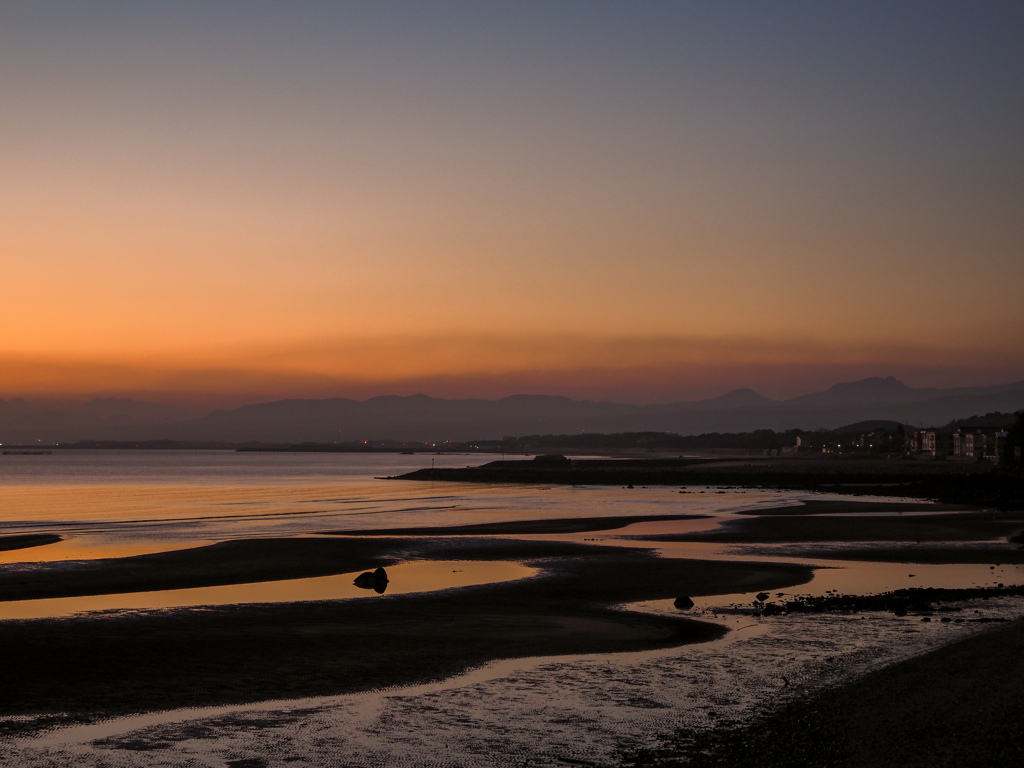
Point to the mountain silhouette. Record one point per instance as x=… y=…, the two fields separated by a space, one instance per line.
x=419 y=418
x=889 y=391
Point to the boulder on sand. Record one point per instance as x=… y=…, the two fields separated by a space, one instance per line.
x=683 y=603
x=376 y=580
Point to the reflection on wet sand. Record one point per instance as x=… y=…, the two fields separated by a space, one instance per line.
x=831 y=574
x=376 y=580
x=405 y=578
x=864 y=578
x=534 y=709
x=526 y=711
x=95 y=548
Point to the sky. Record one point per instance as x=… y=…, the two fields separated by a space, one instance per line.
x=225 y=202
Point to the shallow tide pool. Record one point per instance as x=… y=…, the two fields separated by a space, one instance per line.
x=404 y=578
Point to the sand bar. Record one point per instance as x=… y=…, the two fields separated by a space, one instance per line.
x=972 y=526
x=28 y=540
x=516 y=527
x=140 y=661
x=844 y=507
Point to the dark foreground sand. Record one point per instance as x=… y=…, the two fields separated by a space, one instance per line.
x=25 y=541
x=167 y=659
x=960 y=706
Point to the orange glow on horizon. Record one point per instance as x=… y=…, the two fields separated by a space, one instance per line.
x=255 y=203
x=640 y=369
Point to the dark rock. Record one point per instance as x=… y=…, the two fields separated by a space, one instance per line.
x=376 y=580
x=762 y=596
x=683 y=603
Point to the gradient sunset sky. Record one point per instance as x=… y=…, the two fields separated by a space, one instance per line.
x=236 y=201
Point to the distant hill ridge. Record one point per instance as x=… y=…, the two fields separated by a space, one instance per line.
x=866 y=392
x=423 y=418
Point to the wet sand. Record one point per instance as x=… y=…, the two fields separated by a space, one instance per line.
x=128 y=662
x=960 y=705
x=844 y=507
x=980 y=536
x=255 y=560
x=993 y=554
x=230 y=562
x=118 y=663
x=520 y=527
x=942 y=536
x=26 y=541
x=770 y=528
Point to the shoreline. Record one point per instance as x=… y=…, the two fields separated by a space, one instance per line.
x=165 y=659
x=973 y=484
x=959 y=704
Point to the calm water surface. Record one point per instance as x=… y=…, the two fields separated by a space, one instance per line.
x=115 y=503
x=122 y=503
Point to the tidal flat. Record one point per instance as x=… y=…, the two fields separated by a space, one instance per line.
x=578 y=657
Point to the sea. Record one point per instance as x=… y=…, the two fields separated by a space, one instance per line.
x=587 y=710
